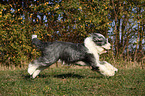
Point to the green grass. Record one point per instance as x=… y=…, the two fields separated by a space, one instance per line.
x=72 y=82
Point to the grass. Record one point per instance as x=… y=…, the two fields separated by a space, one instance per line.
x=72 y=82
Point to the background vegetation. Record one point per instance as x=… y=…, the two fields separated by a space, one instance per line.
x=122 y=21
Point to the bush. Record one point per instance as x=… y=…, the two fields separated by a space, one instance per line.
x=15 y=40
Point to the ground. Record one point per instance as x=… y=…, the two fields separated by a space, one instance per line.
x=64 y=81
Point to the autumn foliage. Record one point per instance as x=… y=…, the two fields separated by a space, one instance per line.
x=121 y=21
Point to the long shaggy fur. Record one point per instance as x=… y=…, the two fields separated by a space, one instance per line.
x=88 y=53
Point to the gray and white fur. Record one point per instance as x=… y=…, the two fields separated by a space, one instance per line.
x=71 y=53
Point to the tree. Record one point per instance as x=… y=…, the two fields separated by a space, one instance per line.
x=70 y=21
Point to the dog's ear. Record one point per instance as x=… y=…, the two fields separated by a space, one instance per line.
x=98 y=36
x=94 y=34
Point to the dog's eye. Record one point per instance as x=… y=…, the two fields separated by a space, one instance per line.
x=98 y=43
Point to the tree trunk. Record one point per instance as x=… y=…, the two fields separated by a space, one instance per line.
x=115 y=30
x=138 y=35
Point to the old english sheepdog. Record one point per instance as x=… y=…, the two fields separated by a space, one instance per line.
x=73 y=53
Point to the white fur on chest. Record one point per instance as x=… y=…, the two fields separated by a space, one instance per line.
x=93 y=48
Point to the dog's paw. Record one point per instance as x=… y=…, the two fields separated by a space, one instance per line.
x=32 y=68
x=107 y=69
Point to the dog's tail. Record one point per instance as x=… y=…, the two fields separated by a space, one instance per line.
x=39 y=44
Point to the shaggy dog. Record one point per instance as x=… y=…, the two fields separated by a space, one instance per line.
x=72 y=53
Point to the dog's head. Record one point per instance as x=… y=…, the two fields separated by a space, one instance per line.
x=100 y=40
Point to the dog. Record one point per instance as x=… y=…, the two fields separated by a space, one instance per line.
x=72 y=53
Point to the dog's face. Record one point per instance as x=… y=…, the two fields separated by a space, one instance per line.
x=101 y=41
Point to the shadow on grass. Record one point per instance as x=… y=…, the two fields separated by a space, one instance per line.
x=96 y=77
x=69 y=75
x=62 y=76
x=28 y=77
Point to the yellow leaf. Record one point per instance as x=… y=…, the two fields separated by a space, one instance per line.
x=79 y=18
x=80 y=7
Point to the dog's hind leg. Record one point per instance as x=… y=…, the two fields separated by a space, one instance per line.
x=33 y=66
x=40 y=64
x=38 y=70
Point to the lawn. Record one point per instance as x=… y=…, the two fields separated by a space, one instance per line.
x=72 y=82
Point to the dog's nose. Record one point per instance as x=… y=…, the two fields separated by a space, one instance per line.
x=115 y=72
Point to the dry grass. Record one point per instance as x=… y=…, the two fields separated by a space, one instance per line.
x=117 y=64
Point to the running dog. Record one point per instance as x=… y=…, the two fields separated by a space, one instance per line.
x=72 y=53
